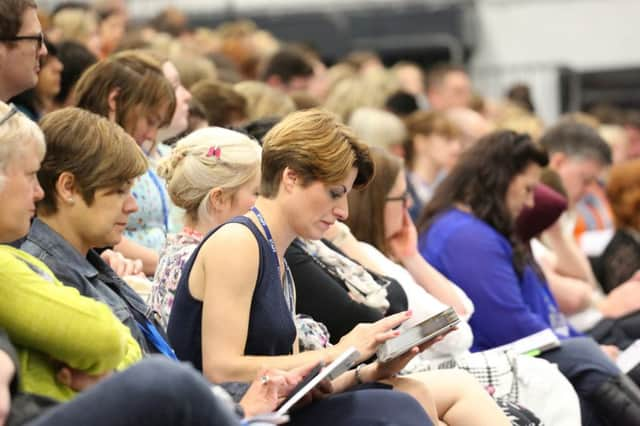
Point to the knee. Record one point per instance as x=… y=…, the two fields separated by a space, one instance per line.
x=587 y=352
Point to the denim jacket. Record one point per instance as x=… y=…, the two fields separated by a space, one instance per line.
x=93 y=277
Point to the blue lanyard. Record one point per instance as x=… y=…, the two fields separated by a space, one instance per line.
x=151 y=333
x=163 y=200
x=288 y=278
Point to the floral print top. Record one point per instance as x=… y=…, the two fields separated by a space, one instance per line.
x=156 y=215
x=175 y=253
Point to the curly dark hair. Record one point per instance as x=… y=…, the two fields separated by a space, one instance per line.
x=481 y=179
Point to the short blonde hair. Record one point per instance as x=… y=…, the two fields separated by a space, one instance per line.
x=264 y=101
x=96 y=151
x=368 y=90
x=208 y=158
x=15 y=133
x=514 y=117
x=377 y=127
x=315 y=145
x=75 y=24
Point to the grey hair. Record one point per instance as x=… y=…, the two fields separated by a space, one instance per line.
x=16 y=134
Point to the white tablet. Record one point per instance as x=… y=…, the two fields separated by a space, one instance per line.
x=426 y=330
x=331 y=371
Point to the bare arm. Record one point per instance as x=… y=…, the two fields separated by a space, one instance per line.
x=133 y=250
x=574 y=263
x=434 y=282
x=8 y=365
x=573 y=295
x=7 y=370
x=229 y=284
x=404 y=247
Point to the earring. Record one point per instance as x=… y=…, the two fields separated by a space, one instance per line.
x=70 y=200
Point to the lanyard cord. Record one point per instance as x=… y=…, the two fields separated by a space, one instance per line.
x=288 y=279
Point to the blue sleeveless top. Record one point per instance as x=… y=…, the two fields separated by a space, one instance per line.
x=271 y=327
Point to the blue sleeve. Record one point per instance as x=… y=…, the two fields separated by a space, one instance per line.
x=479 y=261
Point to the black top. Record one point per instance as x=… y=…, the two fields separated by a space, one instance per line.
x=271 y=327
x=619 y=260
x=325 y=298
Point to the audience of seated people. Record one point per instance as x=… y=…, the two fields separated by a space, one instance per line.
x=379 y=219
x=131 y=90
x=230 y=160
x=482 y=196
x=228 y=318
x=63 y=232
x=67 y=346
x=262 y=263
x=612 y=320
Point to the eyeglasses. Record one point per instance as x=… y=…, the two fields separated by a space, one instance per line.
x=404 y=198
x=12 y=111
x=38 y=38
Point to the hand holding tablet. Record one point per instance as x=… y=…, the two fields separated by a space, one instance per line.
x=421 y=333
x=317 y=374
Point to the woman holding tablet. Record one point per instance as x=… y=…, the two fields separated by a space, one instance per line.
x=233 y=310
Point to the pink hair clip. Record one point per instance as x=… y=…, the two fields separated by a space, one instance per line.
x=214 y=151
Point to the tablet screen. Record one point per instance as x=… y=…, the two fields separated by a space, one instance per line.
x=311 y=380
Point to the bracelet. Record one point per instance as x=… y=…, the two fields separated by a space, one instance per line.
x=358 y=376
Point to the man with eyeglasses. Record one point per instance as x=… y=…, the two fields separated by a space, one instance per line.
x=21 y=47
